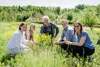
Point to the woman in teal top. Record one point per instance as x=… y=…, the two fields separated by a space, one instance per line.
x=83 y=46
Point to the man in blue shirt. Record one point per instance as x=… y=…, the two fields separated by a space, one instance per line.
x=69 y=34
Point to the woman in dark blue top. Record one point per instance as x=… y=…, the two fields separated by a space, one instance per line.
x=83 y=46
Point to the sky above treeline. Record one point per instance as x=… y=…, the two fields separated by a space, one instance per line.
x=52 y=3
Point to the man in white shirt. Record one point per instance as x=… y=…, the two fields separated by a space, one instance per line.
x=17 y=43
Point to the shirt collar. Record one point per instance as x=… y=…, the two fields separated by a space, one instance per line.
x=66 y=28
x=20 y=31
x=45 y=25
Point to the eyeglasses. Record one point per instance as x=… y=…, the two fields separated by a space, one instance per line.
x=76 y=26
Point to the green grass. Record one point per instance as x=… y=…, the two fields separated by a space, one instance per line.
x=42 y=55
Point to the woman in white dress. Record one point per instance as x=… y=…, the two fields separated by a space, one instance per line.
x=17 y=43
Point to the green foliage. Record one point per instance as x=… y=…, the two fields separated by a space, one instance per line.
x=80 y=6
x=45 y=40
x=22 y=13
x=98 y=10
x=89 y=20
x=42 y=54
x=57 y=10
x=18 y=13
x=70 y=18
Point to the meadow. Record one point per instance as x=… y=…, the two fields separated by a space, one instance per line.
x=42 y=54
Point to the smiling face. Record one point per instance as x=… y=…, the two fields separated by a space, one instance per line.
x=32 y=28
x=64 y=24
x=78 y=27
x=46 y=20
x=24 y=28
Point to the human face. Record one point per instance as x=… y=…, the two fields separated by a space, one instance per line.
x=32 y=28
x=24 y=28
x=46 y=21
x=77 y=27
x=64 y=24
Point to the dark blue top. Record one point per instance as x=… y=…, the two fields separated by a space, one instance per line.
x=88 y=43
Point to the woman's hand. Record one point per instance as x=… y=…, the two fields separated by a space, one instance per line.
x=67 y=42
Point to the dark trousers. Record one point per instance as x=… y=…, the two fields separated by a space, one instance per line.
x=80 y=50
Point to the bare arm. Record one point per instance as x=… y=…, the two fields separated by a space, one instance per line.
x=82 y=40
x=59 y=41
x=28 y=35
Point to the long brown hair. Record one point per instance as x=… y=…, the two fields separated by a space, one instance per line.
x=32 y=25
x=81 y=26
x=23 y=23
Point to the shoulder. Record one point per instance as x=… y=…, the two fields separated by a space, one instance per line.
x=53 y=24
x=70 y=30
x=84 y=33
x=42 y=26
x=18 y=33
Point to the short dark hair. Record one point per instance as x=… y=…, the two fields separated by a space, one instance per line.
x=23 y=23
x=80 y=26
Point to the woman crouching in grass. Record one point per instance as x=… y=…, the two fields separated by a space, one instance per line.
x=17 y=43
x=84 y=46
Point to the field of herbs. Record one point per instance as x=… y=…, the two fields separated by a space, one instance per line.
x=45 y=53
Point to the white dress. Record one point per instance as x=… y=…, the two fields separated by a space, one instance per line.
x=17 y=43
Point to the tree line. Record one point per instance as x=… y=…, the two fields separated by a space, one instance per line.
x=81 y=12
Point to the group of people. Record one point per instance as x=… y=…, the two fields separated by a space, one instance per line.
x=77 y=40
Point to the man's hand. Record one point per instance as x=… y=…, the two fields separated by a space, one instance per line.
x=59 y=42
x=56 y=43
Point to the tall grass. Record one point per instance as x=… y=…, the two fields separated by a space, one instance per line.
x=43 y=54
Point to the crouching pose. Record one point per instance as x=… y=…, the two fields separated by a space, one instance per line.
x=84 y=46
x=68 y=33
x=17 y=43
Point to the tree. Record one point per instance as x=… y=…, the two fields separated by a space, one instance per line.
x=80 y=6
x=98 y=10
x=57 y=10
x=70 y=17
x=89 y=20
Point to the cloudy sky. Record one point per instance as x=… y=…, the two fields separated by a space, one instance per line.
x=55 y=3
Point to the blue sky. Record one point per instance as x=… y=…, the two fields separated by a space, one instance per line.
x=55 y=3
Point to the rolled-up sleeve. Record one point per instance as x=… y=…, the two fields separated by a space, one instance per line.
x=71 y=36
x=41 y=30
x=57 y=30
